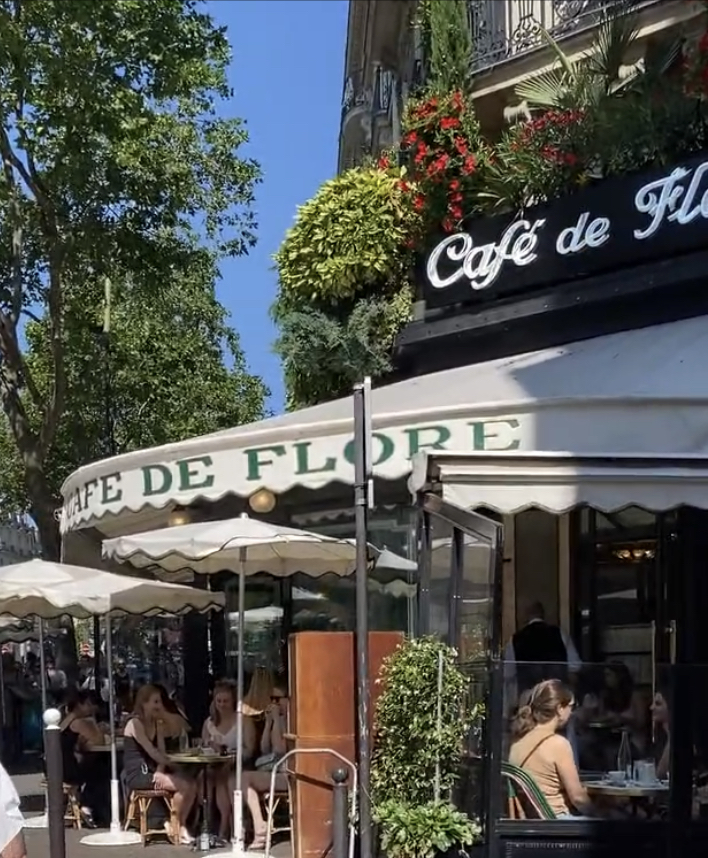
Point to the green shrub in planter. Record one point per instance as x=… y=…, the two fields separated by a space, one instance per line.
x=409 y=743
x=420 y=725
x=423 y=830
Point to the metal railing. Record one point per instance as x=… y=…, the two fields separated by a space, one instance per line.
x=503 y=30
x=355 y=93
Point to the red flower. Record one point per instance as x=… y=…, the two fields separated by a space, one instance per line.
x=458 y=102
x=461 y=145
x=404 y=186
x=421 y=153
x=454 y=185
x=384 y=163
x=455 y=212
x=441 y=160
x=410 y=139
x=470 y=165
x=455 y=198
x=448 y=225
x=419 y=203
x=448 y=122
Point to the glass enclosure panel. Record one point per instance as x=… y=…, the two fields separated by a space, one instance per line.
x=441 y=541
x=276 y=608
x=476 y=600
x=599 y=720
x=392 y=585
x=264 y=624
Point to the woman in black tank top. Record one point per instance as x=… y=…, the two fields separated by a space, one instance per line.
x=83 y=769
x=145 y=763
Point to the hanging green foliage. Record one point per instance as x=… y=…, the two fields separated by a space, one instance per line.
x=323 y=356
x=351 y=235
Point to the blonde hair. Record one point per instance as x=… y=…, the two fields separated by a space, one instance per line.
x=145 y=692
x=223 y=687
x=539 y=706
x=257 y=698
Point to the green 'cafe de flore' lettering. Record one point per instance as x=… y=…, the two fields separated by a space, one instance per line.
x=322 y=459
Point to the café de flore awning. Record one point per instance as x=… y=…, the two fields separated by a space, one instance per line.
x=637 y=392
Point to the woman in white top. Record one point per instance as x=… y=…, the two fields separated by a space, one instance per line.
x=219 y=732
x=12 y=843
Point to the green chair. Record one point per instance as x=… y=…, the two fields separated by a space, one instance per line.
x=525 y=799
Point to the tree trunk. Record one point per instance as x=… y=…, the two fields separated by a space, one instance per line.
x=50 y=540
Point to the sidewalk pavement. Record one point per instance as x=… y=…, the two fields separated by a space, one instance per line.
x=37 y=841
x=29 y=788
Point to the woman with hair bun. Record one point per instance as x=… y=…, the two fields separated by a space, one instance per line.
x=547 y=756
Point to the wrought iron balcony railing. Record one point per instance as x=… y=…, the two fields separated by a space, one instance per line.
x=376 y=99
x=503 y=30
x=355 y=93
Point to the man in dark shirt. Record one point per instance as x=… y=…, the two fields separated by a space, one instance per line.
x=539 y=650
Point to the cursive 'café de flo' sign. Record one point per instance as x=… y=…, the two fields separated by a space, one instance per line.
x=613 y=225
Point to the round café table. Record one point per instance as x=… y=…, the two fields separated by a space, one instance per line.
x=636 y=793
x=201 y=762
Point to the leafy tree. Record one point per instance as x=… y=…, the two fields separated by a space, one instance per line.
x=113 y=161
x=158 y=375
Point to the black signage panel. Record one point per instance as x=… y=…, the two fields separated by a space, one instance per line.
x=616 y=224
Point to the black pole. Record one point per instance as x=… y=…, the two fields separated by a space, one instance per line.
x=362 y=618
x=55 y=784
x=340 y=814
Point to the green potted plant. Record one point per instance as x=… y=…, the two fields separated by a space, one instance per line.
x=420 y=724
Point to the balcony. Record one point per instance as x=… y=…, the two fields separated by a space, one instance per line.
x=504 y=30
x=367 y=105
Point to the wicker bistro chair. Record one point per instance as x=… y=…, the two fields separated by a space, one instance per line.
x=524 y=798
x=72 y=805
x=279 y=813
x=139 y=803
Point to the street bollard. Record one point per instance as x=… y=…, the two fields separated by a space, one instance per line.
x=340 y=814
x=55 y=783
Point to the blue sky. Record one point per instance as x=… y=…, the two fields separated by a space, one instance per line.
x=287 y=75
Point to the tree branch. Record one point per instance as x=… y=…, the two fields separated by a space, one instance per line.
x=55 y=304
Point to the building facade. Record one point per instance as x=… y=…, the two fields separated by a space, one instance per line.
x=384 y=59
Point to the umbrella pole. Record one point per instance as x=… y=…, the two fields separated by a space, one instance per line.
x=42 y=666
x=238 y=844
x=115 y=836
x=115 y=796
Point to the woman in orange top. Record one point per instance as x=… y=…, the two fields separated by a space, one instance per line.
x=537 y=747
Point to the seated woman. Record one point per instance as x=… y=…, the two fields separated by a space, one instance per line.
x=537 y=748
x=220 y=733
x=660 y=717
x=85 y=771
x=273 y=747
x=621 y=705
x=145 y=764
x=172 y=721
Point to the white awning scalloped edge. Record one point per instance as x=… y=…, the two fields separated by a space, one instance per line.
x=509 y=482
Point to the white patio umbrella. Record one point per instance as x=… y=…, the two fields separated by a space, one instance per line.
x=245 y=546
x=39 y=588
